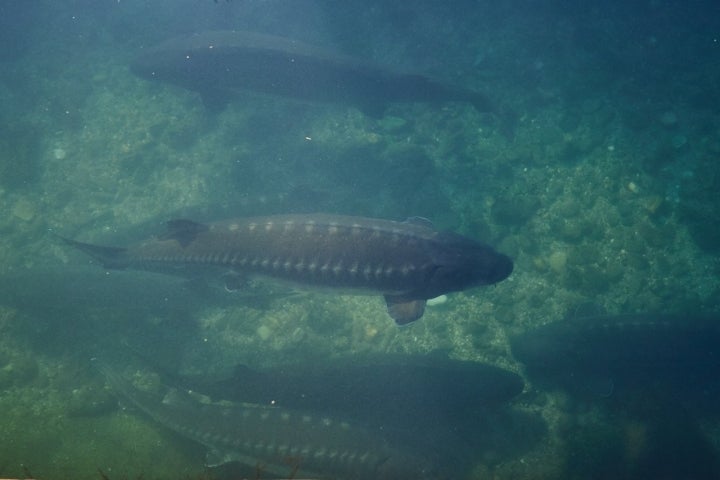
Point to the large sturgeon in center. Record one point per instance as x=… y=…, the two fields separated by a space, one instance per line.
x=407 y=262
x=217 y=63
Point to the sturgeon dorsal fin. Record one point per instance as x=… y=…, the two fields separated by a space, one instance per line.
x=183 y=230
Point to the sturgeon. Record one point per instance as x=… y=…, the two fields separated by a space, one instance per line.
x=217 y=63
x=604 y=355
x=278 y=441
x=407 y=262
x=656 y=373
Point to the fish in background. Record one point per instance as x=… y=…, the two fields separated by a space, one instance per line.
x=407 y=262
x=218 y=63
x=61 y=293
x=455 y=399
x=71 y=308
x=605 y=355
x=270 y=440
x=654 y=378
x=70 y=289
x=446 y=411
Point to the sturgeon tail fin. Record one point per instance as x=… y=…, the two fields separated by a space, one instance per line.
x=109 y=257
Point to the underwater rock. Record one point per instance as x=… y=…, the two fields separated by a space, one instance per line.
x=90 y=401
x=514 y=211
x=558 y=261
x=17 y=369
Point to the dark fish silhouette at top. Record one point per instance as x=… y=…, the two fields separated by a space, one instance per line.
x=216 y=63
x=407 y=262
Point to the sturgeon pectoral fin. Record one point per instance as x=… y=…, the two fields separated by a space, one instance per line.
x=404 y=310
x=234 y=281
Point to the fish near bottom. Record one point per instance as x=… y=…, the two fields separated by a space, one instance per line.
x=285 y=442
